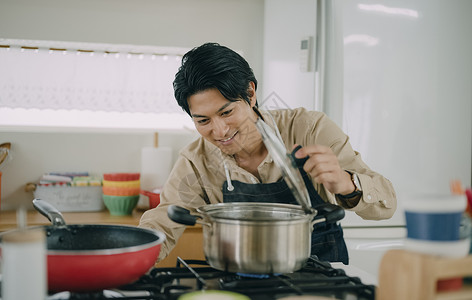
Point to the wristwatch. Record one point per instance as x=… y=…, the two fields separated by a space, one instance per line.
x=357 y=185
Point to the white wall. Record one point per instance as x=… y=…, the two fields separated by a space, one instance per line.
x=182 y=23
x=35 y=153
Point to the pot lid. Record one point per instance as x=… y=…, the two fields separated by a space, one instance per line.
x=286 y=162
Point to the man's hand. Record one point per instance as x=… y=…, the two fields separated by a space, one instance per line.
x=323 y=166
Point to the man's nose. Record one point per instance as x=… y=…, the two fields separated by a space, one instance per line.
x=220 y=128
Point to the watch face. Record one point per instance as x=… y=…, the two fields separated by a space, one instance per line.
x=355 y=180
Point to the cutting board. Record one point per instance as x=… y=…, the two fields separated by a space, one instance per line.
x=409 y=275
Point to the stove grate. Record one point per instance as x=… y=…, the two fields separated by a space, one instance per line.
x=315 y=278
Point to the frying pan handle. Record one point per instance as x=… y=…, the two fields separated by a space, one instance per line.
x=328 y=213
x=181 y=215
x=49 y=211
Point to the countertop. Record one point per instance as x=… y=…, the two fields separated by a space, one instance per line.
x=8 y=219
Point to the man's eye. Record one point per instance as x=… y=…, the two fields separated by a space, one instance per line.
x=202 y=121
x=227 y=112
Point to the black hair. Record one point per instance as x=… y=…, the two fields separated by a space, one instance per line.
x=213 y=66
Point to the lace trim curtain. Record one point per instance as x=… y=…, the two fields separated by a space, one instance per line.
x=95 y=77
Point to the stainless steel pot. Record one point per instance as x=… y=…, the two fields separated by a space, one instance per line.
x=256 y=238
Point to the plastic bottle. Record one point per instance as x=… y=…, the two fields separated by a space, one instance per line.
x=24 y=274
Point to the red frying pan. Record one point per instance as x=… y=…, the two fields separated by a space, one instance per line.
x=84 y=258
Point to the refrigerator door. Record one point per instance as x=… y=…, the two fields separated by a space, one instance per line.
x=404 y=69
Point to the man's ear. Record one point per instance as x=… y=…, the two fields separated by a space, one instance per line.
x=251 y=92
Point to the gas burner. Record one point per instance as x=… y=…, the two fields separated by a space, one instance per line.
x=259 y=276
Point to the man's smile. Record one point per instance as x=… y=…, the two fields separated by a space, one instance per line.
x=225 y=141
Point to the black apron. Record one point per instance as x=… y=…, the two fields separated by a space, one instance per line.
x=327 y=242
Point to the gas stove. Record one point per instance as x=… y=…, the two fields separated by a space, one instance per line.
x=316 y=278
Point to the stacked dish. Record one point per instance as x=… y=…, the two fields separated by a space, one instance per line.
x=121 y=192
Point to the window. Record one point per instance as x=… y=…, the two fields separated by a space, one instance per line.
x=88 y=85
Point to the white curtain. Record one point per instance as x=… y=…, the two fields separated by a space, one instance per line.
x=71 y=79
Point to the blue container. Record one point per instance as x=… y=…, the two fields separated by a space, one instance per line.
x=435 y=225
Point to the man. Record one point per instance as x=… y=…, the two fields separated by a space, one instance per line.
x=230 y=162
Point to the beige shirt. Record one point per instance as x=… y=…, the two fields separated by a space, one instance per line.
x=198 y=175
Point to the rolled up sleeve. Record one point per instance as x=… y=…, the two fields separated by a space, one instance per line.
x=181 y=189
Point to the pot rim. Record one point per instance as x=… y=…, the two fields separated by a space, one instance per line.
x=300 y=215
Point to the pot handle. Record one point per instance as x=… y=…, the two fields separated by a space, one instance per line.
x=181 y=215
x=329 y=213
x=49 y=211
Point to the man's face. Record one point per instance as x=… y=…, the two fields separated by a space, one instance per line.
x=226 y=124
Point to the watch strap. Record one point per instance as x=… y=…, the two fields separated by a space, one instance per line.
x=351 y=195
x=357 y=191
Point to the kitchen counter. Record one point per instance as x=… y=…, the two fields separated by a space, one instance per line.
x=189 y=246
x=8 y=219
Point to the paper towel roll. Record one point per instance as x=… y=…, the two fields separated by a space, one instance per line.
x=156 y=164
